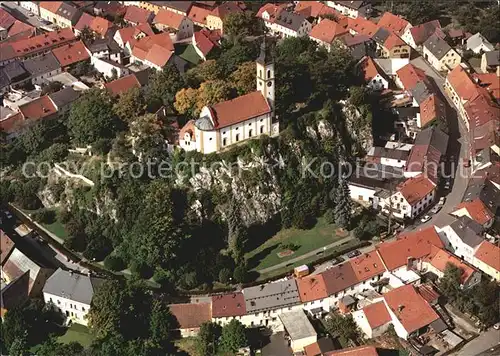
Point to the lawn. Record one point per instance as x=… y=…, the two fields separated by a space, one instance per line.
x=57 y=228
x=78 y=333
x=266 y=255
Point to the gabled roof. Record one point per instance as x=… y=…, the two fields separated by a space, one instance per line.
x=226 y=8
x=6 y=246
x=416 y=188
x=489 y=254
x=71 y=53
x=84 y=21
x=439 y=259
x=206 y=40
x=240 y=109
x=41 y=64
x=423 y=31
x=73 y=286
x=339 y=278
x=38 y=108
x=393 y=23
x=182 y=6
x=18 y=263
x=15 y=293
x=64 y=97
x=123 y=84
x=437 y=46
x=51 y=6
x=410 y=308
x=367 y=265
x=168 y=18
x=159 y=55
x=370 y=69
x=20 y=28
x=431 y=108
x=377 y=314
x=314 y=9
x=100 y=25
x=232 y=304
x=191 y=315
x=410 y=76
x=392 y=41
x=416 y=244
x=462 y=83
x=137 y=15
x=477 y=40
x=289 y=20
x=362 y=26
x=6 y=19
x=327 y=30
x=312 y=288
x=69 y=12
x=272 y=295
x=198 y=14
x=128 y=33
x=489 y=81
x=492 y=58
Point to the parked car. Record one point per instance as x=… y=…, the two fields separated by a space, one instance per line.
x=353 y=253
x=436 y=209
x=425 y=219
x=496 y=326
x=447 y=185
x=466 y=162
x=442 y=200
x=8 y=215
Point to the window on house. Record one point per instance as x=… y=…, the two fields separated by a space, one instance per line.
x=250 y=133
x=262 y=129
x=237 y=137
x=268 y=74
x=224 y=141
x=210 y=139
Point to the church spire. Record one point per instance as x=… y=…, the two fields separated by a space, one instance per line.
x=264 y=58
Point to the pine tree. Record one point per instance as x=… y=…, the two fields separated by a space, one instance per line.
x=343 y=204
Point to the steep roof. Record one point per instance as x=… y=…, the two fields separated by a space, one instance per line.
x=377 y=314
x=362 y=26
x=137 y=15
x=70 y=285
x=69 y=12
x=410 y=76
x=416 y=188
x=100 y=25
x=84 y=21
x=439 y=258
x=415 y=244
x=18 y=263
x=392 y=41
x=462 y=83
x=224 y=9
x=367 y=265
x=71 y=53
x=51 y=6
x=6 y=19
x=431 y=109
x=476 y=210
x=489 y=81
x=239 y=109
x=38 y=108
x=410 y=308
x=198 y=14
x=327 y=30
x=6 y=246
x=182 y=6
x=15 y=293
x=289 y=20
x=489 y=254
x=123 y=84
x=478 y=39
x=206 y=40
x=393 y=22
x=272 y=295
x=370 y=69
x=339 y=278
x=232 y=304
x=64 y=97
x=191 y=315
x=314 y=9
x=312 y=288
x=21 y=29
x=437 y=46
x=492 y=58
x=423 y=31
x=41 y=64
x=168 y=18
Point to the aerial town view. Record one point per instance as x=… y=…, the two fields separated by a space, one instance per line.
x=274 y=178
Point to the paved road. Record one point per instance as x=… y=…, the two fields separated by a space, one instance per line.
x=21 y=13
x=306 y=255
x=458 y=147
x=482 y=345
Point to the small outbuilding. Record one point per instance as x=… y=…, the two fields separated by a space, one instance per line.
x=299 y=329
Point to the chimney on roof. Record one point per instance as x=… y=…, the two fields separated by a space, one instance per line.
x=400 y=308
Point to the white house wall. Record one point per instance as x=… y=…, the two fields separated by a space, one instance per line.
x=74 y=311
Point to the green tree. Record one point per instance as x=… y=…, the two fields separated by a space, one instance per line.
x=238 y=25
x=52 y=87
x=114 y=263
x=203 y=72
x=449 y=284
x=19 y=346
x=343 y=326
x=87 y=35
x=343 y=205
x=161 y=323
x=244 y=78
x=92 y=118
x=225 y=275
x=162 y=86
x=233 y=337
x=106 y=308
x=235 y=55
x=130 y=105
x=240 y=273
x=207 y=339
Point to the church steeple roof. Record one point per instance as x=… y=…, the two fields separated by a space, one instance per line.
x=265 y=56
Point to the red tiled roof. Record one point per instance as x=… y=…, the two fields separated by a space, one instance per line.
x=377 y=314
x=159 y=55
x=137 y=15
x=38 y=108
x=367 y=265
x=416 y=188
x=191 y=315
x=71 y=53
x=476 y=210
x=314 y=9
x=198 y=14
x=410 y=308
x=424 y=158
x=369 y=68
x=489 y=254
x=6 y=19
x=339 y=278
x=189 y=129
x=311 y=288
x=453 y=33
x=128 y=33
x=439 y=258
x=100 y=25
x=12 y=123
x=393 y=22
x=225 y=9
x=416 y=244
x=490 y=81
x=225 y=305
x=327 y=30
x=20 y=27
x=428 y=293
x=410 y=76
x=462 y=83
x=362 y=26
x=123 y=84
x=430 y=109
x=206 y=40
x=355 y=351
x=168 y=18
x=423 y=31
x=393 y=41
x=84 y=21
x=239 y=109
x=51 y=6
x=27 y=46
x=481 y=110
x=6 y=246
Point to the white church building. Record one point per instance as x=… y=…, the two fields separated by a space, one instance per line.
x=233 y=121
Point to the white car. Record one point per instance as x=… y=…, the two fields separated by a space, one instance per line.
x=496 y=326
x=447 y=185
x=442 y=200
x=425 y=219
x=436 y=209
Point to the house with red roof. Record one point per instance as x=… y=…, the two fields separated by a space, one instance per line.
x=326 y=31
x=136 y=15
x=215 y=19
x=84 y=21
x=362 y=26
x=390 y=45
x=20 y=30
x=242 y=118
x=71 y=53
x=205 y=40
x=353 y=9
x=373 y=319
x=131 y=33
x=315 y=9
x=416 y=36
x=6 y=21
x=122 y=85
x=198 y=15
x=394 y=23
x=475 y=210
x=154 y=51
x=375 y=77
x=284 y=23
x=190 y=316
x=487 y=259
x=178 y=25
x=61 y=13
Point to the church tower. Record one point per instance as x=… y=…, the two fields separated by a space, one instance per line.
x=265 y=75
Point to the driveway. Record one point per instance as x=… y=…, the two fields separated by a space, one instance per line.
x=458 y=147
x=278 y=346
x=21 y=13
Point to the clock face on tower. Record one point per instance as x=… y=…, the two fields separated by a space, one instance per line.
x=269 y=83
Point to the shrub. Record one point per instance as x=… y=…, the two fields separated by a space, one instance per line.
x=224 y=275
x=240 y=274
x=114 y=263
x=45 y=216
x=330 y=216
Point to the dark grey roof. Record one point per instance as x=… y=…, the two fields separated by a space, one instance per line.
x=180 y=63
x=351 y=4
x=64 y=97
x=468 y=230
x=103 y=44
x=379 y=171
x=183 y=6
x=14 y=71
x=381 y=35
x=42 y=64
x=437 y=46
x=69 y=12
x=70 y=285
x=492 y=58
x=143 y=76
x=370 y=183
x=407 y=112
x=204 y=124
x=389 y=153
x=271 y=296
x=290 y=20
x=433 y=136
x=421 y=92
x=485 y=190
